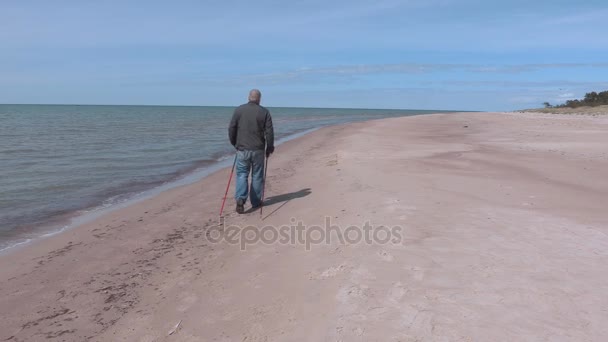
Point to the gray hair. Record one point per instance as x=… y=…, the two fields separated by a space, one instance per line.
x=255 y=96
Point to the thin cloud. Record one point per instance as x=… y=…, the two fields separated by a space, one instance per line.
x=586 y=17
x=350 y=71
x=552 y=84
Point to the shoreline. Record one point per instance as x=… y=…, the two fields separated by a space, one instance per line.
x=67 y=221
x=79 y=217
x=503 y=237
x=42 y=200
x=58 y=222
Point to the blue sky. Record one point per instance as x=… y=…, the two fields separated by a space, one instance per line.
x=419 y=54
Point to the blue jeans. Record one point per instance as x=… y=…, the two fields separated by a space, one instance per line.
x=249 y=161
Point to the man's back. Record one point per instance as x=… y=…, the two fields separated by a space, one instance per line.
x=251 y=131
x=251 y=128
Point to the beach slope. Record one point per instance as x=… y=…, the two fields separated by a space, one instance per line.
x=447 y=227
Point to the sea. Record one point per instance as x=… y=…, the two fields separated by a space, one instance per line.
x=59 y=163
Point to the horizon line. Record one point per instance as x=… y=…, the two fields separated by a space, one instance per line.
x=295 y=107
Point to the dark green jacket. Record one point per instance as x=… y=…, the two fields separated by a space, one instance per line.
x=251 y=128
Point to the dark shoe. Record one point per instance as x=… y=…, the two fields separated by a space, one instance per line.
x=240 y=206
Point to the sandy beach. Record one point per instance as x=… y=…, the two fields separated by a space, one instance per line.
x=484 y=227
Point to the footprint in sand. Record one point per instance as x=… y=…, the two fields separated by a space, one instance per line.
x=396 y=293
x=329 y=273
x=255 y=281
x=362 y=274
x=394 y=205
x=386 y=256
x=186 y=302
x=347 y=294
x=358 y=331
x=417 y=273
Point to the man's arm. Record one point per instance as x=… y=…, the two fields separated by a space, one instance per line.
x=269 y=133
x=233 y=127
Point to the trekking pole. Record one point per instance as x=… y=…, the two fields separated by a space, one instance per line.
x=228 y=186
x=263 y=186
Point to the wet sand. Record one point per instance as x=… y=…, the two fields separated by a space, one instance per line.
x=497 y=230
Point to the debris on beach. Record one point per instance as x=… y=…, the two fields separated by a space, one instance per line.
x=172 y=331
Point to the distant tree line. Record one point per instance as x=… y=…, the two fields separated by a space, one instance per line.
x=591 y=99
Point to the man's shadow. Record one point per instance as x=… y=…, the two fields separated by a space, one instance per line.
x=285 y=198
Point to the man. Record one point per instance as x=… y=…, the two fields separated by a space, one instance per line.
x=252 y=135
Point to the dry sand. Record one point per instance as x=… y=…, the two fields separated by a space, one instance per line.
x=504 y=221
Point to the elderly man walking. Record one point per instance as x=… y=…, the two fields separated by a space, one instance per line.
x=252 y=134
